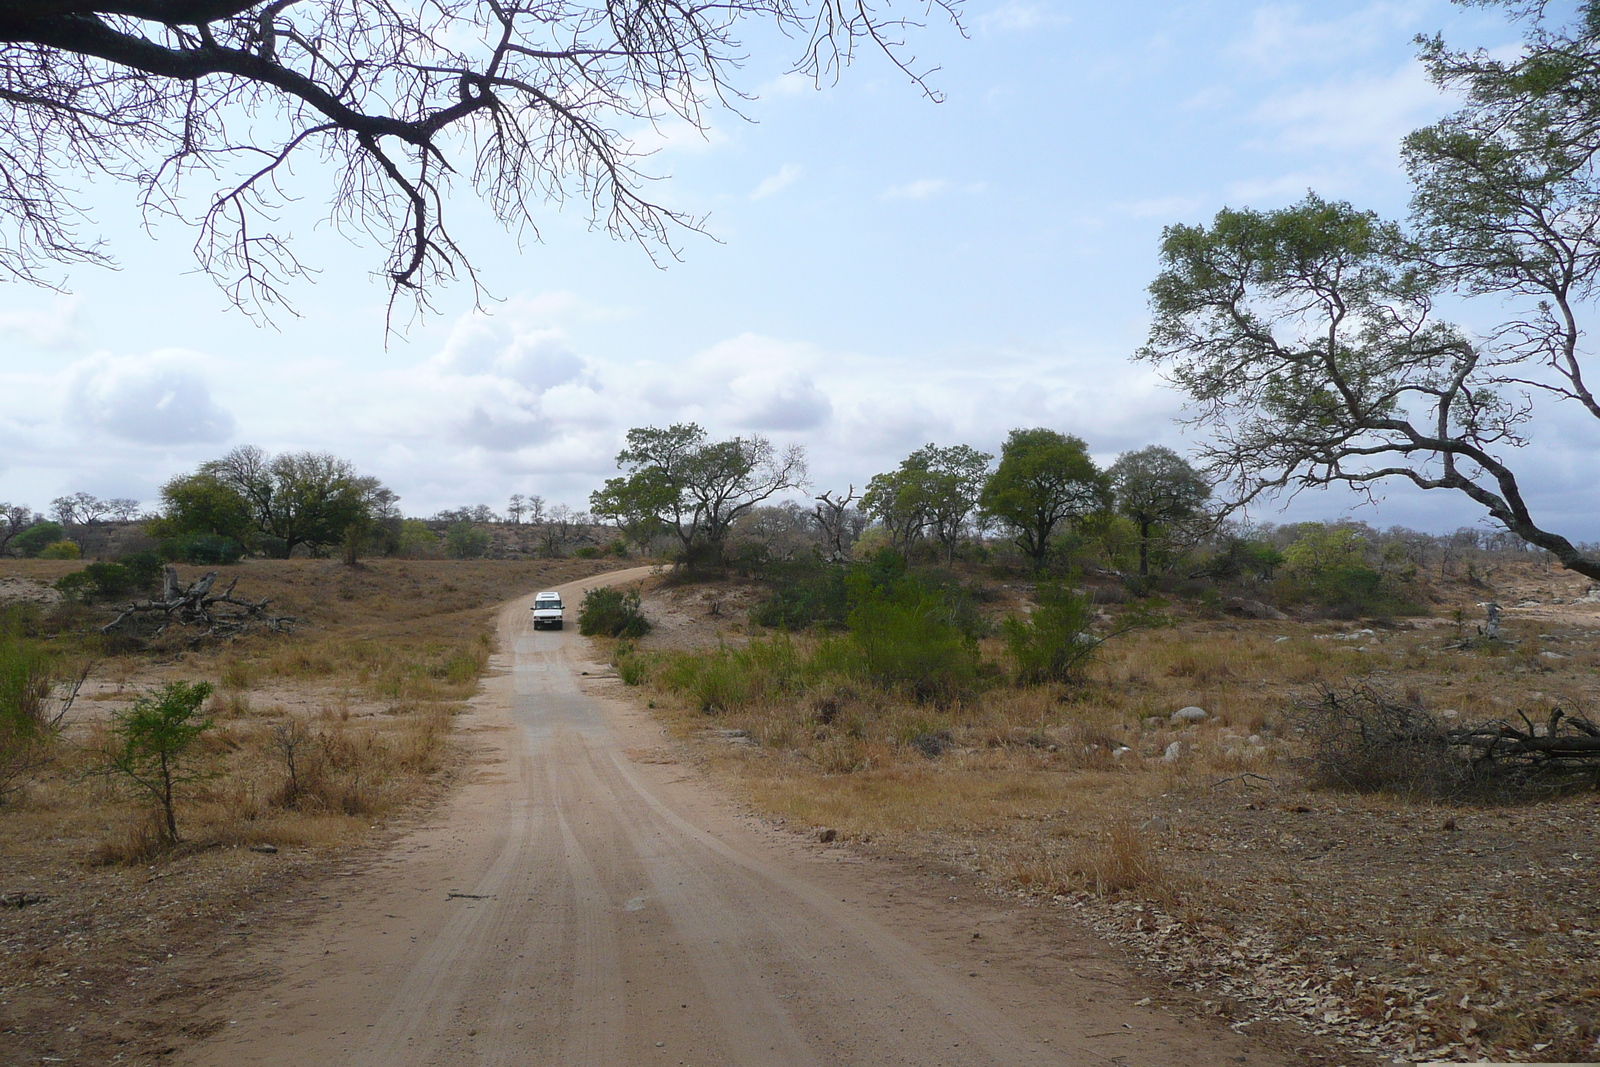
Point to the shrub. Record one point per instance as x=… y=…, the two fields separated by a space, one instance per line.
x=1327 y=565
x=36 y=538
x=607 y=612
x=152 y=744
x=804 y=593
x=112 y=581
x=1053 y=643
x=60 y=550
x=908 y=641
x=463 y=540
x=588 y=552
x=202 y=548
x=722 y=679
x=416 y=540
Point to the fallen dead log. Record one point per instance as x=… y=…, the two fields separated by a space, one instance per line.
x=1362 y=738
x=196 y=605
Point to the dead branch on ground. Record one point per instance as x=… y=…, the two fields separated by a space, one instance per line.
x=196 y=605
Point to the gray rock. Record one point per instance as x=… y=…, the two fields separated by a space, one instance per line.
x=267 y=849
x=1252 y=609
x=1172 y=753
x=1155 y=825
x=1190 y=714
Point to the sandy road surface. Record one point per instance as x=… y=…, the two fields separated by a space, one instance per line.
x=584 y=901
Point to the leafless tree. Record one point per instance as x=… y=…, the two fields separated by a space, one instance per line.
x=832 y=519
x=14 y=518
x=523 y=100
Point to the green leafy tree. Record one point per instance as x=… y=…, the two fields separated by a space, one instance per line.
x=695 y=487
x=1156 y=487
x=152 y=747
x=297 y=499
x=203 y=504
x=14 y=518
x=465 y=540
x=37 y=537
x=1307 y=339
x=935 y=489
x=1045 y=479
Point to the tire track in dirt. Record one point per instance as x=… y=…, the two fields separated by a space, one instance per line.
x=578 y=907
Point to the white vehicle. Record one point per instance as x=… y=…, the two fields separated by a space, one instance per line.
x=547 y=610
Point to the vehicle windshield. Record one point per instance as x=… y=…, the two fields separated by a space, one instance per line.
x=547 y=602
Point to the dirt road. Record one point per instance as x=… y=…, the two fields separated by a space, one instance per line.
x=585 y=900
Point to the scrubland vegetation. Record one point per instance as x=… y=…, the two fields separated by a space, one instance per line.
x=1027 y=726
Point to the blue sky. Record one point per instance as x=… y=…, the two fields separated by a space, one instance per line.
x=885 y=271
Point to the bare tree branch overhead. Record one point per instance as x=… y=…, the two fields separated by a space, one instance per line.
x=206 y=105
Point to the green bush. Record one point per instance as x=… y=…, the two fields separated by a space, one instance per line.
x=414 y=539
x=202 y=548
x=588 y=552
x=152 y=745
x=607 y=612
x=724 y=678
x=908 y=640
x=24 y=686
x=465 y=541
x=60 y=550
x=1052 y=644
x=804 y=593
x=36 y=538
x=1326 y=565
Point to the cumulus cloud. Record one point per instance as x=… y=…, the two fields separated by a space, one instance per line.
x=159 y=399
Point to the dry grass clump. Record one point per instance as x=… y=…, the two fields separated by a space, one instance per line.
x=283 y=779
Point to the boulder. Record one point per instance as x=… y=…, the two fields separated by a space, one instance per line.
x=1172 y=753
x=1252 y=609
x=1189 y=715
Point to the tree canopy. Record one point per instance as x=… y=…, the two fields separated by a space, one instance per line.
x=933 y=489
x=1044 y=479
x=1307 y=338
x=1155 y=486
x=275 y=503
x=387 y=106
x=693 y=486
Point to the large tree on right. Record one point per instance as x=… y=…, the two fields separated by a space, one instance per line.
x=1307 y=338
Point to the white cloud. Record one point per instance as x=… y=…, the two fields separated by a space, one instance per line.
x=674 y=135
x=159 y=399
x=53 y=328
x=921 y=189
x=1016 y=15
x=791 y=84
x=1347 y=115
x=787 y=175
x=1282 y=37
